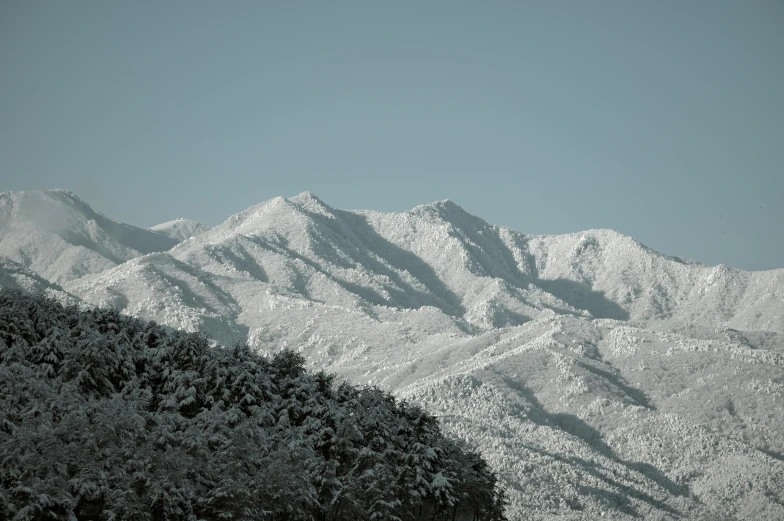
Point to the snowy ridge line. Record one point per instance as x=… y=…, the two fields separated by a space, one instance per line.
x=596 y=375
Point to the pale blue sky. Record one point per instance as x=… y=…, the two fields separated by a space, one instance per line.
x=663 y=120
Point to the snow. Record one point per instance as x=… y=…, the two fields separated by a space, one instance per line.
x=586 y=366
x=180 y=229
x=58 y=236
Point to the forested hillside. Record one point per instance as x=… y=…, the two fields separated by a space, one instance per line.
x=108 y=417
x=597 y=377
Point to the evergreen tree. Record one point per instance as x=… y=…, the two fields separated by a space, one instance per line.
x=111 y=418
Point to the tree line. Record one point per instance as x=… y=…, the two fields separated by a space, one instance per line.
x=109 y=417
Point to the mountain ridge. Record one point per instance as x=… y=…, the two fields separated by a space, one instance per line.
x=60 y=237
x=596 y=357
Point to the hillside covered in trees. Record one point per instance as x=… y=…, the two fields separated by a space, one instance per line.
x=108 y=417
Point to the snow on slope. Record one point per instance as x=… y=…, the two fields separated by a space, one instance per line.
x=180 y=229
x=599 y=376
x=161 y=288
x=15 y=276
x=611 y=270
x=591 y=418
x=58 y=236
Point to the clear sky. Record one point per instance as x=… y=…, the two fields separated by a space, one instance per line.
x=663 y=120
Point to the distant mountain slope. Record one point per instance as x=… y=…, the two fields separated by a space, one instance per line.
x=180 y=229
x=58 y=236
x=598 y=375
x=159 y=287
x=15 y=276
x=585 y=419
x=600 y=270
x=479 y=276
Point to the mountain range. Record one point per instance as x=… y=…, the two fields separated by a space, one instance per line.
x=599 y=377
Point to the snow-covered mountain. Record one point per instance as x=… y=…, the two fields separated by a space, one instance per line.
x=15 y=276
x=435 y=260
x=599 y=376
x=58 y=236
x=180 y=229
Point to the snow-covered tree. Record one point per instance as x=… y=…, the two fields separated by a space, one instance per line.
x=110 y=418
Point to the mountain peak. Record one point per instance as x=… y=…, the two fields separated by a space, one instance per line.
x=450 y=212
x=444 y=204
x=308 y=200
x=52 y=210
x=59 y=236
x=305 y=197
